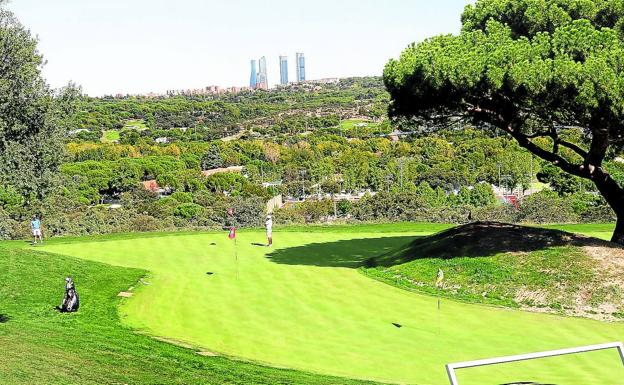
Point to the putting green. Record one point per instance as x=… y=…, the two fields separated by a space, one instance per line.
x=303 y=305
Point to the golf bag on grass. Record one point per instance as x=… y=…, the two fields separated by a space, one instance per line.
x=71 y=301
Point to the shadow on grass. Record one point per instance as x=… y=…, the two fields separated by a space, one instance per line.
x=351 y=253
x=4 y=318
x=480 y=239
x=525 y=383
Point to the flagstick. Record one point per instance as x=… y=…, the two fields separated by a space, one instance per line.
x=439 y=332
x=236 y=257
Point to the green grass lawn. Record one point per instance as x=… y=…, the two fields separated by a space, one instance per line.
x=41 y=346
x=349 y=124
x=304 y=305
x=110 y=136
x=600 y=230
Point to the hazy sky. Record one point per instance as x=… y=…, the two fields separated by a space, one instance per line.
x=138 y=46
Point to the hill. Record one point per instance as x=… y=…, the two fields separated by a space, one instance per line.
x=516 y=266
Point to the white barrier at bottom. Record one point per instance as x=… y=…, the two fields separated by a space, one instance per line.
x=450 y=368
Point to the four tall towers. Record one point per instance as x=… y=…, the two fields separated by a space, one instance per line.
x=258 y=78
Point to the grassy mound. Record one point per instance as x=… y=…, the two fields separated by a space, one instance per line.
x=516 y=266
x=43 y=346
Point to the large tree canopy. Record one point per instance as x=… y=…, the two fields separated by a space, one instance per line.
x=533 y=69
x=32 y=118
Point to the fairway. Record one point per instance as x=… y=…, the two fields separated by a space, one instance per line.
x=303 y=305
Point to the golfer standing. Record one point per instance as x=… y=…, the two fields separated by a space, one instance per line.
x=35 y=226
x=268 y=223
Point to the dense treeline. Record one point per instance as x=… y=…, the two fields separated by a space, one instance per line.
x=287 y=110
x=442 y=177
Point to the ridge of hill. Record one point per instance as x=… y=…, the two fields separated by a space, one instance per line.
x=524 y=267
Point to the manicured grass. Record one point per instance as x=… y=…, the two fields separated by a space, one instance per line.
x=304 y=305
x=135 y=124
x=349 y=124
x=41 y=346
x=110 y=136
x=602 y=231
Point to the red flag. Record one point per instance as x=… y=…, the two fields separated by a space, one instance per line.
x=232 y=234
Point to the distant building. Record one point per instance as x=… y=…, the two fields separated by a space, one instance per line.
x=151 y=185
x=283 y=69
x=262 y=81
x=300 y=62
x=254 y=75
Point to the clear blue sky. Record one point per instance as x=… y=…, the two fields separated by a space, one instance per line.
x=138 y=46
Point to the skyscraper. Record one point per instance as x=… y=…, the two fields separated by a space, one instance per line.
x=253 y=80
x=262 y=82
x=283 y=69
x=300 y=67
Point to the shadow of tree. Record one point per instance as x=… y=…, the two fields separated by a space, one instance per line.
x=351 y=253
x=482 y=239
x=525 y=383
x=478 y=239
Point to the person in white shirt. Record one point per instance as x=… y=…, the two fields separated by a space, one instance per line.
x=268 y=224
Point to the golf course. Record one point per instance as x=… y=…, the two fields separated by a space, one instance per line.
x=303 y=304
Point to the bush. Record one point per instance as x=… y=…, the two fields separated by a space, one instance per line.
x=9 y=228
x=182 y=197
x=598 y=214
x=496 y=213
x=187 y=210
x=288 y=216
x=546 y=207
x=143 y=223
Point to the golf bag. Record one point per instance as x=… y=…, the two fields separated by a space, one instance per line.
x=71 y=301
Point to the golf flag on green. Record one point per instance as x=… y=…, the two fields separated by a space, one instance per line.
x=440 y=279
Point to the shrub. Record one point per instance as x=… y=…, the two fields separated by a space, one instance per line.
x=598 y=214
x=182 y=197
x=8 y=227
x=546 y=207
x=496 y=213
x=187 y=210
x=143 y=223
x=288 y=216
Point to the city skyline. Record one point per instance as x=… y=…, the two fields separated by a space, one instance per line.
x=156 y=45
x=283 y=60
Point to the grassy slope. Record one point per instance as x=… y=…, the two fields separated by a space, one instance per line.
x=41 y=346
x=510 y=266
x=305 y=306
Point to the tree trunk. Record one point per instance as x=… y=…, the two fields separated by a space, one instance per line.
x=618 y=234
x=614 y=195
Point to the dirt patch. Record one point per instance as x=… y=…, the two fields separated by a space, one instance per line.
x=207 y=354
x=603 y=300
x=125 y=294
x=174 y=342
